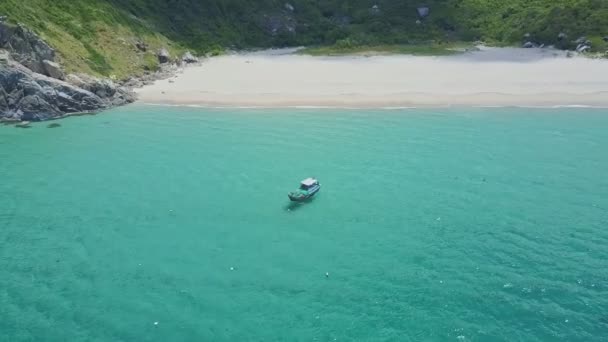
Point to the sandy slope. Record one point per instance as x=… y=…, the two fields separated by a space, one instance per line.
x=490 y=77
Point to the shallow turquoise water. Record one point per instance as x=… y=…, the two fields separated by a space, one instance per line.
x=434 y=225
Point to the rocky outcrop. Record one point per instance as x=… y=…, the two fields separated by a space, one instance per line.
x=163 y=56
x=188 y=58
x=32 y=86
x=53 y=70
x=105 y=89
x=26 y=47
x=29 y=96
x=583 y=44
x=141 y=46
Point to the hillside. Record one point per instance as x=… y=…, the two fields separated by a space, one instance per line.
x=100 y=36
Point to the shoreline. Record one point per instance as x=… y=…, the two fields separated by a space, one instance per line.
x=489 y=77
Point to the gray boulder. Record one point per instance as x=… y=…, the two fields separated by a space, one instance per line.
x=189 y=58
x=583 y=48
x=53 y=70
x=107 y=90
x=141 y=46
x=423 y=12
x=529 y=45
x=163 y=56
x=581 y=40
x=289 y=7
x=605 y=38
x=562 y=36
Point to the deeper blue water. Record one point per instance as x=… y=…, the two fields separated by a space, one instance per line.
x=172 y=224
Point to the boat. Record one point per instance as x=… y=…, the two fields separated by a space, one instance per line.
x=308 y=188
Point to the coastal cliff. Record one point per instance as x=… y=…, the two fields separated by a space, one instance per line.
x=33 y=86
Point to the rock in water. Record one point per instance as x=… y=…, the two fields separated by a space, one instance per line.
x=163 y=56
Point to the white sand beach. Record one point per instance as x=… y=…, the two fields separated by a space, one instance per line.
x=489 y=77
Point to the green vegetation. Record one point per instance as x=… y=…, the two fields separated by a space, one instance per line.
x=90 y=36
x=347 y=48
x=99 y=36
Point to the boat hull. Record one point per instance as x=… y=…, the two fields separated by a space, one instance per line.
x=299 y=197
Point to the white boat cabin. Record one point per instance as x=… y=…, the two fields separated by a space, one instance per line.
x=308 y=183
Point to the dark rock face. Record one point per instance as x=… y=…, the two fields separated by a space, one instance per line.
x=32 y=86
x=26 y=47
x=163 y=56
x=26 y=95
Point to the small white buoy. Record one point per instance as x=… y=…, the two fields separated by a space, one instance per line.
x=566 y=321
x=232 y=268
x=326 y=274
x=439 y=219
x=155 y=323
x=441 y=282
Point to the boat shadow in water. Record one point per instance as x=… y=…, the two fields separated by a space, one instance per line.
x=293 y=206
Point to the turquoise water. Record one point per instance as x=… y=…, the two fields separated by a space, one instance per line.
x=434 y=225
